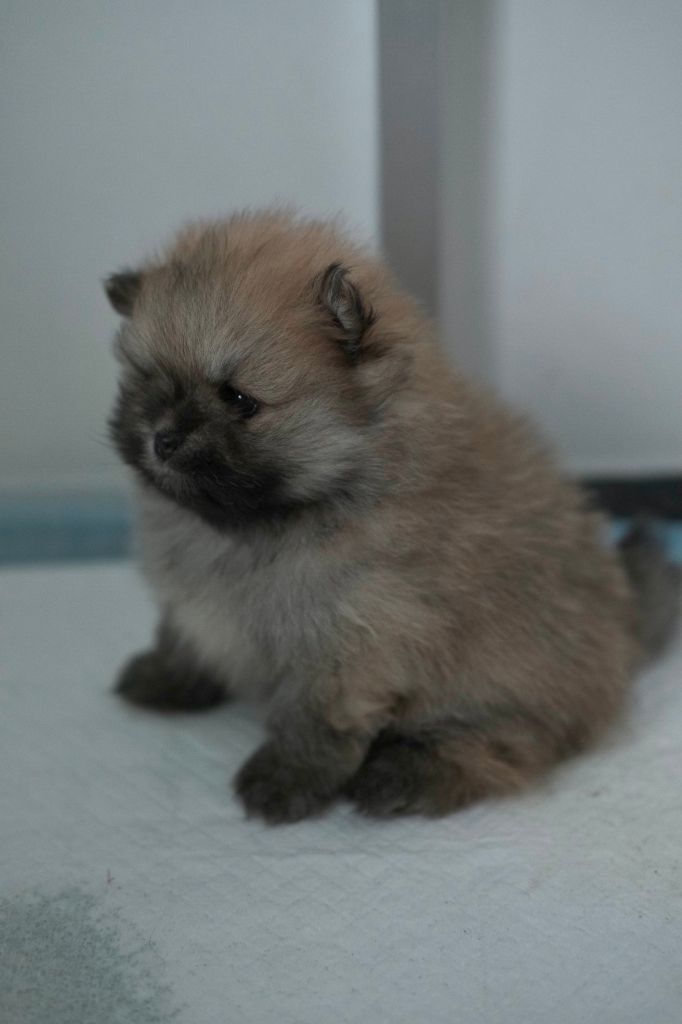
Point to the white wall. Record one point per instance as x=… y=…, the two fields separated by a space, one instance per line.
x=410 y=34
x=467 y=172
x=119 y=121
x=560 y=199
x=560 y=179
x=588 y=226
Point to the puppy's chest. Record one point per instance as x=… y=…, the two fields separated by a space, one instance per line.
x=251 y=615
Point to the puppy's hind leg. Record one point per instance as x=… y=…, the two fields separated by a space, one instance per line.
x=440 y=770
x=169 y=678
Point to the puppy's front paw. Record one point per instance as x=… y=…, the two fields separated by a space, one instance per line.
x=147 y=681
x=278 y=790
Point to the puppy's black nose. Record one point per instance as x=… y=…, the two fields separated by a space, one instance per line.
x=166 y=442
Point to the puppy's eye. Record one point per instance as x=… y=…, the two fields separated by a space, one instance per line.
x=243 y=404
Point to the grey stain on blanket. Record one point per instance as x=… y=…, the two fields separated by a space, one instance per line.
x=67 y=959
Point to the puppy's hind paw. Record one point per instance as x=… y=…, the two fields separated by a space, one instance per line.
x=397 y=779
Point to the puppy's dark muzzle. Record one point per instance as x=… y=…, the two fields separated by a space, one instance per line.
x=166 y=442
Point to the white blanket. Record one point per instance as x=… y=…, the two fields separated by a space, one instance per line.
x=133 y=890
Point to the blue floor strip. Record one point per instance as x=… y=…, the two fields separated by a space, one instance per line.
x=64 y=529
x=67 y=529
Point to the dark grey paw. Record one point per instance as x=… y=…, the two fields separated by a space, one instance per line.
x=277 y=790
x=396 y=779
x=147 y=682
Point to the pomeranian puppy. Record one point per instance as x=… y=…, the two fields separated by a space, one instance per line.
x=335 y=521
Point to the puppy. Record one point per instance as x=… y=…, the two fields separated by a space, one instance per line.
x=334 y=521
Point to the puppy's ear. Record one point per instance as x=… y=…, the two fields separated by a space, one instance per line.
x=344 y=303
x=122 y=289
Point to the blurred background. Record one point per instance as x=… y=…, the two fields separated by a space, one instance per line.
x=520 y=162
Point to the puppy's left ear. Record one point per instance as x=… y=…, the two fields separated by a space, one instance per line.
x=344 y=303
x=122 y=290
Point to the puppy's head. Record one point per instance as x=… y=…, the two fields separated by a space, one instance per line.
x=249 y=386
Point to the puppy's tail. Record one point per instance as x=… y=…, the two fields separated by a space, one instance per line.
x=657 y=584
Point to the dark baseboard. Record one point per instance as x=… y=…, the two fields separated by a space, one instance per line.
x=659 y=496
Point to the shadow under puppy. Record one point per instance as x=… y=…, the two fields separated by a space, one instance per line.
x=335 y=521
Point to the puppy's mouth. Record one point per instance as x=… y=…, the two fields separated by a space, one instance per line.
x=228 y=493
x=190 y=492
x=221 y=494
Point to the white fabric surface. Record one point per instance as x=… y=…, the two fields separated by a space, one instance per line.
x=563 y=905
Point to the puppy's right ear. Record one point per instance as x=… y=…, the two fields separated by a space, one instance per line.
x=342 y=300
x=122 y=289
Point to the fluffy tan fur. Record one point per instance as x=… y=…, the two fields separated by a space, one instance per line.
x=452 y=623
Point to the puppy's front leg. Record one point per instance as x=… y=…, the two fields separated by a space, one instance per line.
x=310 y=756
x=168 y=677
